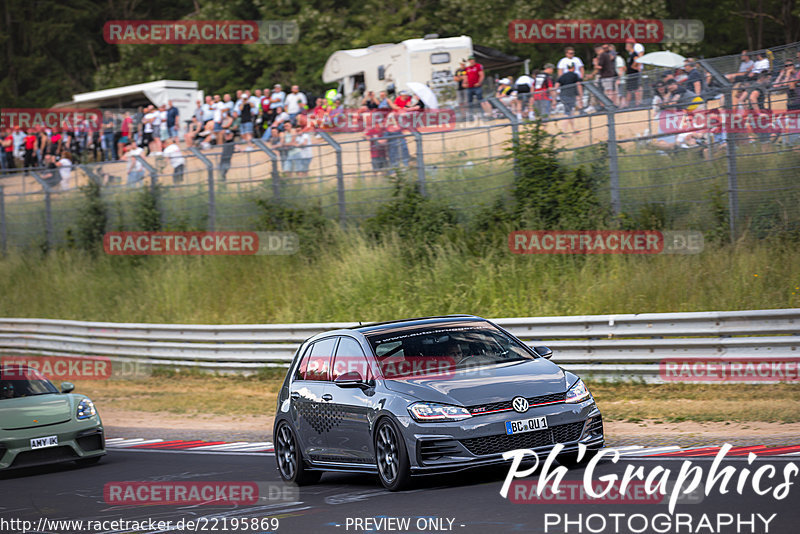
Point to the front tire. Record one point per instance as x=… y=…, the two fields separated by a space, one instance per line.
x=291 y=466
x=394 y=470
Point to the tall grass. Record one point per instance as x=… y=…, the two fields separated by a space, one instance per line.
x=354 y=278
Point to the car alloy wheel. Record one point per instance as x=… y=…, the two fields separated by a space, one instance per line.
x=391 y=456
x=289 y=459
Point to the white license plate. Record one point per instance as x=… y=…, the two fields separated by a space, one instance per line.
x=41 y=443
x=526 y=425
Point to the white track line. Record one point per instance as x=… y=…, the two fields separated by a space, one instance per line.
x=135 y=442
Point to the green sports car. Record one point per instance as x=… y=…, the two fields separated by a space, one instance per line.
x=40 y=425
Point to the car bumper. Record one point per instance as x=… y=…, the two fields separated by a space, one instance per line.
x=482 y=440
x=76 y=441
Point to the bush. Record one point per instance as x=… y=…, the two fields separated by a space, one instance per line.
x=92 y=221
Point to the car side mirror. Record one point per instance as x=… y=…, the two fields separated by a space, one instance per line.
x=544 y=352
x=66 y=387
x=351 y=379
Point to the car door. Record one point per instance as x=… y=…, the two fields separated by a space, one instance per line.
x=310 y=413
x=349 y=440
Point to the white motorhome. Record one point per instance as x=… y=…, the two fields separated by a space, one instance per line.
x=430 y=60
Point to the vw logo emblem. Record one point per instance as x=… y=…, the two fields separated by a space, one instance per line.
x=520 y=404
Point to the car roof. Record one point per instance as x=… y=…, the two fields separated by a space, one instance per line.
x=405 y=324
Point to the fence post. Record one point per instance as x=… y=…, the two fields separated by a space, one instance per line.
x=499 y=106
x=613 y=161
x=48 y=210
x=730 y=148
x=212 y=202
x=420 y=161
x=153 y=185
x=276 y=173
x=339 y=176
x=3 y=233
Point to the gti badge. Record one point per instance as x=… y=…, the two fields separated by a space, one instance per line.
x=520 y=404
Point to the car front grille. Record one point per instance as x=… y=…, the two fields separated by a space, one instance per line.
x=434 y=449
x=43 y=456
x=529 y=440
x=506 y=405
x=92 y=442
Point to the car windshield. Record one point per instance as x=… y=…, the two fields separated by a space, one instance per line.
x=18 y=382
x=434 y=348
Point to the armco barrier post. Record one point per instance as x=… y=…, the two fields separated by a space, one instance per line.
x=153 y=185
x=3 y=234
x=212 y=202
x=339 y=176
x=48 y=210
x=420 y=161
x=730 y=148
x=276 y=173
x=613 y=161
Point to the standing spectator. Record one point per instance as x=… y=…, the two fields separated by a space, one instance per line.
x=30 y=149
x=296 y=102
x=173 y=120
x=303 y=161
x=219 y=113
x=377 y=147
x=757 y=99
x=541 y=99
x=163 y=130
x=619 y=66
x=570 y=57
x=396 y=144
x=276 y=143
x=226 y=155
x=108 y=137
x=8 y=150
x=277 y=97
x=633 y=72
x=606 y=70
x=137 y=125
x=523 y=86
x=150 y=130
x=475 y=77
x=246 y=115
x=65 y=170
x=42 y=141
x=125 y=133
x=460 y=78
x=176 y=159
x=292 y=149
x=570 y=92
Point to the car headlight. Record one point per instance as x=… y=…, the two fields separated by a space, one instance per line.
x=578 y=392
x=86 y=409
x=428 y=411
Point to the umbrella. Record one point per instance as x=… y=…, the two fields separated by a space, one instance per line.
x=425 y=94
x=662 y=59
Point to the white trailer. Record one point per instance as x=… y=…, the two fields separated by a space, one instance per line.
x=431 y=60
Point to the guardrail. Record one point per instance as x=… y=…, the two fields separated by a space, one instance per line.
x=616 y=347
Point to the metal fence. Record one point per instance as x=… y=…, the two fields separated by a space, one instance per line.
x=739 y=182
x=613 y=347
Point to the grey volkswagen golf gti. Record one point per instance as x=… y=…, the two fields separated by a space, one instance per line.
x=430 y=395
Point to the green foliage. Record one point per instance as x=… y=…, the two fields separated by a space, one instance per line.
x=93 y=219
x=549 y=194
x=418 y=220
x=313 y=229
x=719 y=232
x=651 y=216
x=146 y=213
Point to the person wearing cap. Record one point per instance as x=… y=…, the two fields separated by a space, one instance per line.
x=541 y=97
x=475 y=76
x=633 y=70
x=502 y=93
x=277 y=97
x=460 y=77
x=402 y=100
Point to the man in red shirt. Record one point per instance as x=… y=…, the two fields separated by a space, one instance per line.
x=475 y=76
x=30 y=149
x=8 y=150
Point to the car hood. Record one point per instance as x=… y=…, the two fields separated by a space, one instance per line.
x=34 y=411
x=484 y=385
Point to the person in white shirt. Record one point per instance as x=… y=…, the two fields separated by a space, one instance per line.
x=302 y=161
x=761 y=64
x=135 y=169
x=570 y=57
x=65 y=170
x=176 y=159
x=296 y=102
x=151 y=125
x=277 y=97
